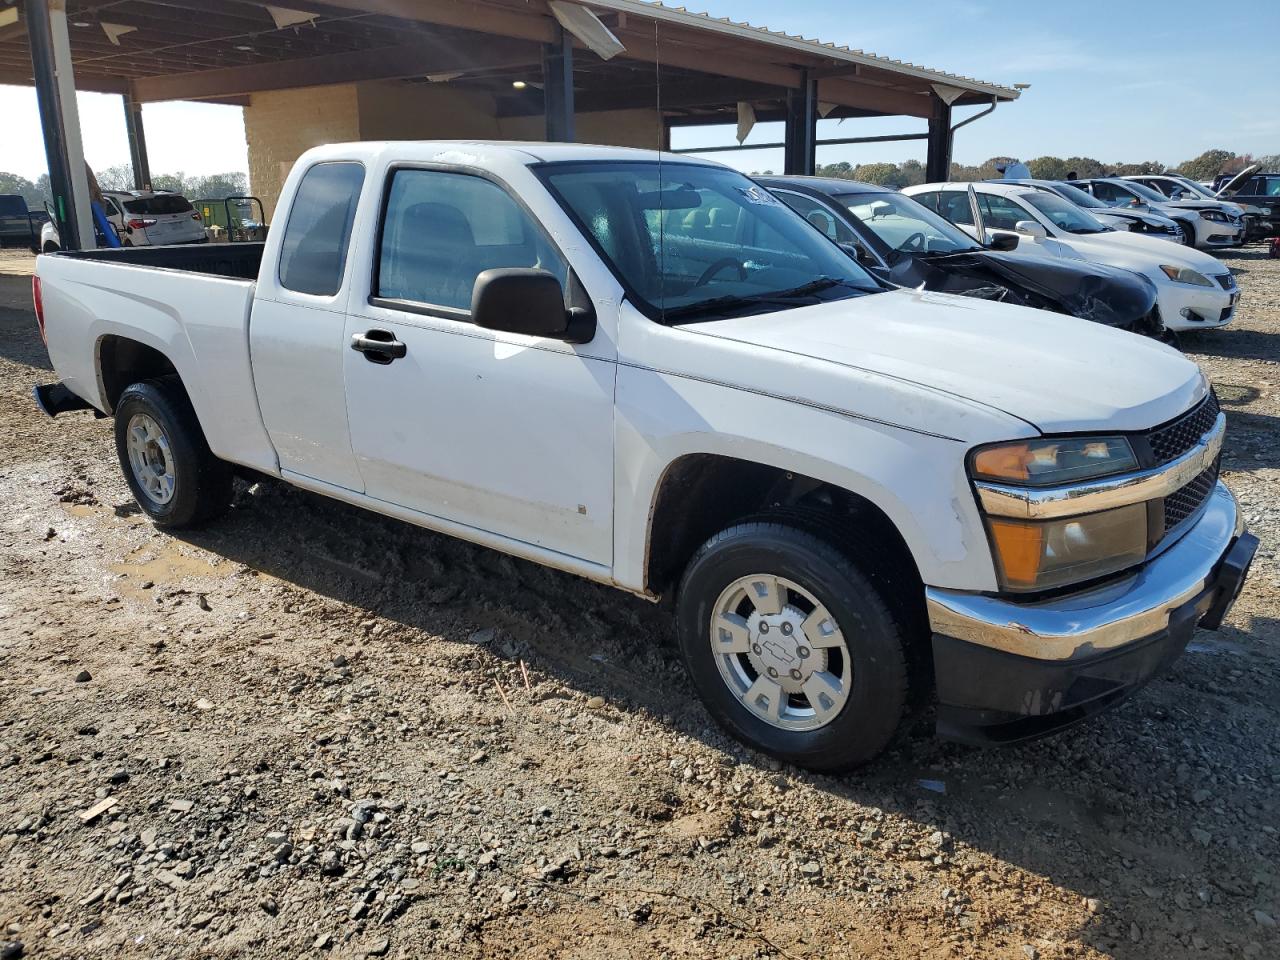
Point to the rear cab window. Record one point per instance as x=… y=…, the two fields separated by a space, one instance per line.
x=313 y=253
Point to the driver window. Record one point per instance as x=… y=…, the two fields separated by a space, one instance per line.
x=1001 y=213
x=819 y=216
x=954 y=205
x=441 y=230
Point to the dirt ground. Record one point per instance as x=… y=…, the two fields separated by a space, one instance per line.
x=308 y=731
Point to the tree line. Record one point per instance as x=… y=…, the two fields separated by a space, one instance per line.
x=120 y=177
x=910 y=172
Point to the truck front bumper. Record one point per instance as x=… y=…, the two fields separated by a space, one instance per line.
x=1009 y=671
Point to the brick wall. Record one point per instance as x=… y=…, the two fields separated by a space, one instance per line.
x=280 y=125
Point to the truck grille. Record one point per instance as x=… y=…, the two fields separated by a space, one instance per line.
x=1174 y=439
x=1183 y=503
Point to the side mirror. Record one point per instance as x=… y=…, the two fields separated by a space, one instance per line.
x=1030 y=228
x=1004 y=242
x=528 y=301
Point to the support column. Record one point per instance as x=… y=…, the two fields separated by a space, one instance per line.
x=557 y=87
x=137 y=143
x=59 y=120
x=938 y=163
x=801 y=140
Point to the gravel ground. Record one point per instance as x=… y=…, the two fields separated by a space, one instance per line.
x=310 y=731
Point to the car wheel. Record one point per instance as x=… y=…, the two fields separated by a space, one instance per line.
x=1188 y=233
x=174 y=477
x=792 y=647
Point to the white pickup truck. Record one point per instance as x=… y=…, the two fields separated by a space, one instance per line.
x=647 y=371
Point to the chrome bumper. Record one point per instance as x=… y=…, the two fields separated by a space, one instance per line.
x=1079 y=625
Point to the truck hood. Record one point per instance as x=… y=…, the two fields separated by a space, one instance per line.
x=1057 y=373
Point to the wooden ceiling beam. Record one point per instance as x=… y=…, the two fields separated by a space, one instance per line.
x=388 y=63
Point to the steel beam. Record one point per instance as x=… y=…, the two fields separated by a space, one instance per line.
x=46 y=22
x=557 y=87
x=938 y=162
x=800 y=145
x=137 y=143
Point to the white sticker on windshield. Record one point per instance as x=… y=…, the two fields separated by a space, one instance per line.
x=758 y=195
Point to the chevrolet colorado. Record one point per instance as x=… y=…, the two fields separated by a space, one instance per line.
x=847 y=493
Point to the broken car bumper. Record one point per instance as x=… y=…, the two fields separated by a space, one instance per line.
x=1009 y=671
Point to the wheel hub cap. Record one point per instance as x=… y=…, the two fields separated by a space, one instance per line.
x=150 y=458
x=781 y=652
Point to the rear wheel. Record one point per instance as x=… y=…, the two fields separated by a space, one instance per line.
x=175 y=478
x=792 y=647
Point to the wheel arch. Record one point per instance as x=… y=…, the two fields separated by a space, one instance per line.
x=700 y=494
x=120 y=360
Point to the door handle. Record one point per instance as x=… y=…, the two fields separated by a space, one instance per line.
x=378 y=346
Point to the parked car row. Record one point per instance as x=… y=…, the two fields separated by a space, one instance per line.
x=142 y=218
x=653 y=373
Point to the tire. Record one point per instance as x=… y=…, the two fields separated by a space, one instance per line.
x=174 y=477
x=855 y=725
x=1188 y=233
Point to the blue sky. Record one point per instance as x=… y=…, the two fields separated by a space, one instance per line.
x=1120 y=81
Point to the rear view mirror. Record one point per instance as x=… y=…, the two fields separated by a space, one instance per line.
x=856 y=250
x=530 y=302
x=1030 y=228
x=1004 y=242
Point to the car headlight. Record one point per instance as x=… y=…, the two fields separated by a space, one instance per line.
x=1049 y=462
x=1040 y=556
x=1214 y=215
x=1185 y=275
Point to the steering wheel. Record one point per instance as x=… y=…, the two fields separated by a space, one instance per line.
x=719 y=265
x=914 y=243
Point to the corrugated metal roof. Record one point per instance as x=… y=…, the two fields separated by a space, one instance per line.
x=702 y=21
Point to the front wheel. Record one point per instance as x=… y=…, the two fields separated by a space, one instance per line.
x=1188 y=233
x=792 y=647
x=174 y=477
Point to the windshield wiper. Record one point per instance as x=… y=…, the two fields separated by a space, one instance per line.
x=787 y=297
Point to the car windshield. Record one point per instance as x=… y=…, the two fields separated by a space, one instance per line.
x=904 y=227
x=1079 y=197
x=695 y=242
x=1142 y=190
x=1064 y=214
x=1193 y=188
x=160 y=204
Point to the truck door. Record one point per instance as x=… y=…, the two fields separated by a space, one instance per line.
x=503 y=432
x=296 y=331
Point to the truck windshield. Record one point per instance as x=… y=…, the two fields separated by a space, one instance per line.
x=904 y=227
x=691 y=242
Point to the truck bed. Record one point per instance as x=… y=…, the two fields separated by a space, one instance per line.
x=189 y=303
x=238 y=261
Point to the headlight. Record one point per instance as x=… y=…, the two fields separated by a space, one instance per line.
x=1214 y=215
x=1185 y=275
x=1048 y=462
x=1040 y=556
